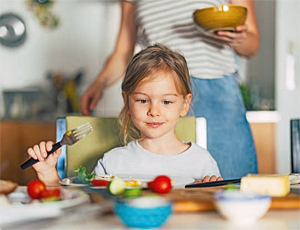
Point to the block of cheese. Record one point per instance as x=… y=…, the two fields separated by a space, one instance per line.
x=272 y=185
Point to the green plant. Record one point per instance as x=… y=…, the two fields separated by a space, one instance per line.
x=246 y=94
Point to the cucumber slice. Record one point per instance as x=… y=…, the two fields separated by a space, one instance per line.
x=116 y=186
x=231 y=187
x=133 y=191
x=50 y=199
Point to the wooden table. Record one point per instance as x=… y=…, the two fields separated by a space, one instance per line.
x=92 y=216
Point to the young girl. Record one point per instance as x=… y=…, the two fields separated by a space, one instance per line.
x=156 y=93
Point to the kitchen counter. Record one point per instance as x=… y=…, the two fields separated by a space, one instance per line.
x=263 y=116
x=263 y=126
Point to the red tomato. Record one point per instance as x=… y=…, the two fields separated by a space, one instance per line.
x=161 y=184
x=51 y=193
x=35 y=187
x=97 y=182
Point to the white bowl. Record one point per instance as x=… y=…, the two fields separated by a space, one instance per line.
x=240 y=207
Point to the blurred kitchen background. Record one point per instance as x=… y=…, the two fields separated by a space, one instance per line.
x=60 y=46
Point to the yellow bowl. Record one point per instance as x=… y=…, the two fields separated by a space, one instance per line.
x=221 y=17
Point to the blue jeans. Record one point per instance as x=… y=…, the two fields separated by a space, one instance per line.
x=229 y=138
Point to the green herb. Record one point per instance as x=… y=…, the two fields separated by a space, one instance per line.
x=82 y=177
x=231 y=187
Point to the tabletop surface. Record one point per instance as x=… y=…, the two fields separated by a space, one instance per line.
x=93 y=216
x=283 y=220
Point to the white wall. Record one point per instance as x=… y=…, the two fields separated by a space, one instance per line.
x=111 y=102
x=84 y=38
x=287 y=102
x=261 y=68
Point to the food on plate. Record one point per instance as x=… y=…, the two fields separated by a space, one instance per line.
x=161 y=184
x=83 y=177
x=109 y=177
x=99 y=182
x=7 y=186
x=51 y=194
x=231 y=187
x=35 y=188
x=102 y=180
x=105 y=176
x=133 y=191
x=272 y=185
x=132 y=183
x=116 y=186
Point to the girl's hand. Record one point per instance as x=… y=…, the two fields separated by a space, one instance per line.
x=233 y=38
x=208 y=179
x=46 y=163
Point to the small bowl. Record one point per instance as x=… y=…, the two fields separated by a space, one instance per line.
x=143 y=212
x=220 y=17
x=240 y=207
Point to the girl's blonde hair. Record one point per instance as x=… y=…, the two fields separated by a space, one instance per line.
x=143 y=64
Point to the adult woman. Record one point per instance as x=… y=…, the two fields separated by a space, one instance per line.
x=212 y=64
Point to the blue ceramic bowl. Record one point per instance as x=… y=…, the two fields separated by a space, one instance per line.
x=143 y=212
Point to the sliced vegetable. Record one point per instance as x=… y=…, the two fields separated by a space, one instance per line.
x=132 y=182
x=231 y=187
x=133 y=192
x=116 y=186
x=51 y=199
x=99 y=182
x=53 y=193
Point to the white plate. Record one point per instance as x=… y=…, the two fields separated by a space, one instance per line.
x=69 y=181
x=21 y=208
x=177 y=181
x=294 y=178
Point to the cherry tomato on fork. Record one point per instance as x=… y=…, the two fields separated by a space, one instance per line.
x=161 y=184
x=35 y=188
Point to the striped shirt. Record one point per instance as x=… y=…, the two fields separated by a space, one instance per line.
x=170 y=23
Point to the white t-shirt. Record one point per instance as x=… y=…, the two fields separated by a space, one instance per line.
x=195 y=162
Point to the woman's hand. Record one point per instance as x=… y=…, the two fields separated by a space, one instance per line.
x=39 y=152
x=245 y=38
x=233 y=38
x=90 y=98
x=209 y=178
x=117 y=62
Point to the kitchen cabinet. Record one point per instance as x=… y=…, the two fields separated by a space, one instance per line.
x=16 y=137
x=263 y=126
x=264 y=140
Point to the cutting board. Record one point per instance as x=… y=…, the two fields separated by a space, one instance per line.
x=201 y=199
